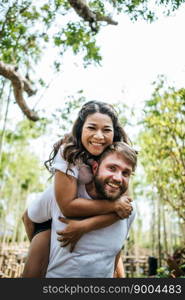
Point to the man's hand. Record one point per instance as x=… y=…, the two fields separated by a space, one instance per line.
x=71 y=234
x=123 y=207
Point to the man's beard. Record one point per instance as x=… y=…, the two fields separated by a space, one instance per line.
x=100 y=185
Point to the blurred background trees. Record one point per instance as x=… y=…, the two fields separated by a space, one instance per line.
x=27 y=30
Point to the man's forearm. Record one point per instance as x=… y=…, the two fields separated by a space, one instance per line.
x=29 y=225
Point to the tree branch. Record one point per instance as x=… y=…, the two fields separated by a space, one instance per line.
x=83 y=10
x=20 y=84
x=176 y=208
x=105 y=19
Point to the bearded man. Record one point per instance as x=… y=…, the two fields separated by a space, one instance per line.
x=97 y=252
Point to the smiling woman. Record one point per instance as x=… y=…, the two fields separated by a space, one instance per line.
x=97 y=133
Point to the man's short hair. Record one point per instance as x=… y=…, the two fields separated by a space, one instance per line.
x=127 y=152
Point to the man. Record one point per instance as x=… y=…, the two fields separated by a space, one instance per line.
x=97 y=252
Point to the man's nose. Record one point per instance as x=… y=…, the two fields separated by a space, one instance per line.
x=117 y=177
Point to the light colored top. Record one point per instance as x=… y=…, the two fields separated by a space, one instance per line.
x=80 y=171
x=94 y=254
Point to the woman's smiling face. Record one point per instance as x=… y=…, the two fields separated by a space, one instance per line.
x=97 y=133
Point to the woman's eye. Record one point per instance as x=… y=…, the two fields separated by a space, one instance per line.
x=91 y=128
x=108 y=130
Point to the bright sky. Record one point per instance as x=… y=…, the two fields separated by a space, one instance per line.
x=133 y=55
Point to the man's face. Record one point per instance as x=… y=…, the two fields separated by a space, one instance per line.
x=112 y=176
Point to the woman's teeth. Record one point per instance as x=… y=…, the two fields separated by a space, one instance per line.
x=97 y=144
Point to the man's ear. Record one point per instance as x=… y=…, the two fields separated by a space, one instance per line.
x=94 y=167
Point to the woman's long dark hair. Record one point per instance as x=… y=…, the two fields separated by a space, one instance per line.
x=73 y=148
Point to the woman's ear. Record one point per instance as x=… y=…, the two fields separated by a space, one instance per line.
x=94 y=167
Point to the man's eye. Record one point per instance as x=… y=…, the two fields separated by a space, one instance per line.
x=112 y=168
x=126 y=174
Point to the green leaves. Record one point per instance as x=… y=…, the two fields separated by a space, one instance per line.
x=20 y=171
x=80 y=39
x=162 y=143
x=28 y=27
x=65 y=117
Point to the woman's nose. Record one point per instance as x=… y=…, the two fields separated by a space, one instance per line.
x=99 y=134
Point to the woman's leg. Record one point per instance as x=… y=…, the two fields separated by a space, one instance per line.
x=38 y=256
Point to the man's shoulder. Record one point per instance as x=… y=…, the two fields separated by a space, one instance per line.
x=133 y=214
x=82 y=192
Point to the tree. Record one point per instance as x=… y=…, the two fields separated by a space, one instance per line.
x=20 y=175
x=28 y=27
x=163 y=151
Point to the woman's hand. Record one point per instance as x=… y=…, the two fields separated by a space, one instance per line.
x=123 y=207
x=71 y=234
